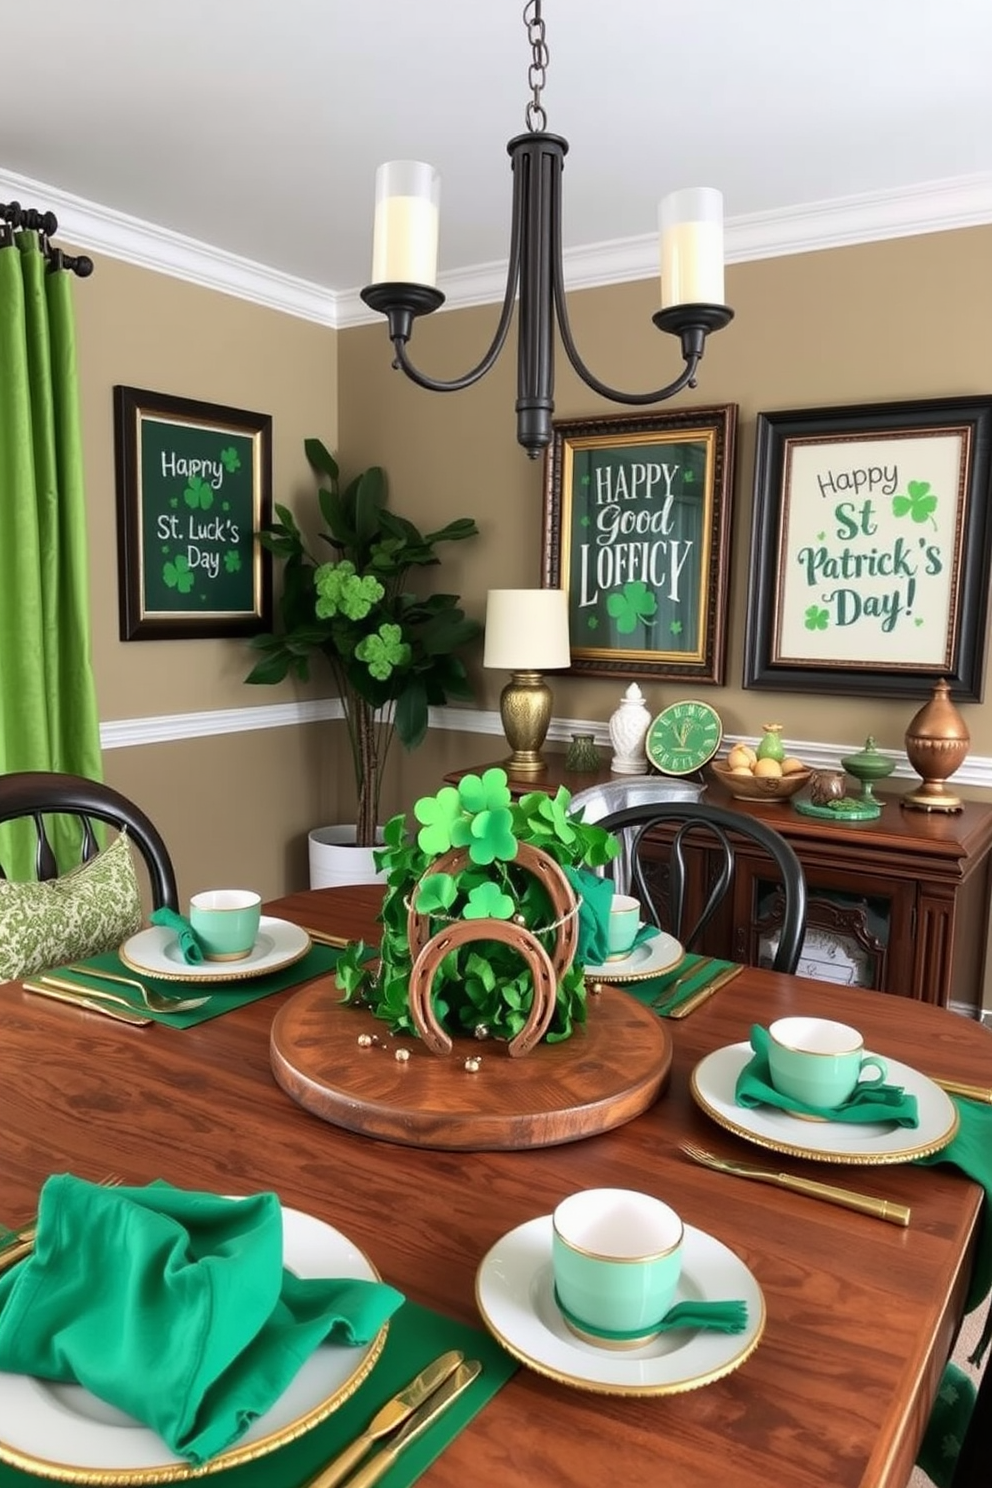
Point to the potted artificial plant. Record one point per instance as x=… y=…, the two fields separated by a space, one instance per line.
x=391 y=653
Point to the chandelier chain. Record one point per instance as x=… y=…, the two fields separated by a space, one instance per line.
x=537 y=72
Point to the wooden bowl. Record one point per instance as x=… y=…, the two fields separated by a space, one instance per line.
x=761 y=787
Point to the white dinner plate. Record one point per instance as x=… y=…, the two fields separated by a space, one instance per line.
x=714 y=1081
x=156 y=951
x=650 y=959
x=62 y=1431
x=514 y=1291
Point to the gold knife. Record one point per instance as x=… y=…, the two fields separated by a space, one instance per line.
x=389 y=1416
x=970 y=1092
x=89 y=1001
x=673 y=989
x=692 y=1003
x=846 y=1198
x=418 y=1423
x=324 y=937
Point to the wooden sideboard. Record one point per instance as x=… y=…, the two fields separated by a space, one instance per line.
x=900 y=903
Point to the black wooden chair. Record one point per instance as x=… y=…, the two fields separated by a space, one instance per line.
x=40 y=793
x=698 y=825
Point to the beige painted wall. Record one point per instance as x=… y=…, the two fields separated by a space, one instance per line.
x=907 y=319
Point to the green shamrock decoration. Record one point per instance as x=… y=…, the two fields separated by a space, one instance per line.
x=482 y=984
x=919 y=504
x=199 y=494
x=817 y=618
x=232 y=561
x=230 y=459
x=340 y=590
x=675 y=628
x=632 y=605
x=178 y=575
x=383 y=651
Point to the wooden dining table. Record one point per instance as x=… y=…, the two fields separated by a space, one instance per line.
x=861 y=1314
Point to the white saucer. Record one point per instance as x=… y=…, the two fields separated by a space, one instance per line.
x=156 y=951
x=62 y=1431
x=714 y=1081
x=515 y=1294
x=650 y=959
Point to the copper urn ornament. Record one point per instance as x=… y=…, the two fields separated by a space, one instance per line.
x=937 y=744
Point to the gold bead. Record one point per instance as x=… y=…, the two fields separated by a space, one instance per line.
x=481 y=1031
x=595 y=988
x=519 y=919
x=365 y=1041
x=473 y=1064
x=402 y=1055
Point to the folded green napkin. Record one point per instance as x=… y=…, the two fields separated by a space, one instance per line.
x=174 y=1307
x=691 y=973
x=970 y=1151
x=222 y=996
x=877 y=1103
x=714 y=1317
x=189 y=941
x=596 y=896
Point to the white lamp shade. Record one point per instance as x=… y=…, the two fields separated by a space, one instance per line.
x=691 y=223
x=527 y=630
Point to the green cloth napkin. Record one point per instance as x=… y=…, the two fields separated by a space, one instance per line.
x=222 y=997
x=596 y=896
x=416 y=1336
x=970 y=1151
x=652 y=990
x=714 y=1317
x=189 y=941
x=174 y=1307
x=879 y=1103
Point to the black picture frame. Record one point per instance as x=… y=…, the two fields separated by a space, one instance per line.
x=636 y=530
x=194 y=485
x=870 y=549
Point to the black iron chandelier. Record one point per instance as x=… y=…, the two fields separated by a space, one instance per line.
x=404 y=266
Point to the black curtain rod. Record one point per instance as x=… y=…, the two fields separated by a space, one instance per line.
x=13 y=216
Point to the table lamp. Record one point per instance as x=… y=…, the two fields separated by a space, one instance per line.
x=526 y=634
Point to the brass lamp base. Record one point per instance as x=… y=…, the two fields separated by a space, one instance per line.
x=525 y=708
x=933 y=795
x=937 y=743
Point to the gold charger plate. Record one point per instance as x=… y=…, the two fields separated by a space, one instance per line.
x=714 y=1081
x=63 y=1432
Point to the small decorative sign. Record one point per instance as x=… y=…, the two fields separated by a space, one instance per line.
x=194 y=485
x=871 y=547
x=636 y=531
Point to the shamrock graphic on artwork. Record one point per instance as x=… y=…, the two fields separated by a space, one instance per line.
x=633 y=605
x=199 y=494
x=232 y=561
x=919 y=503
x=178 y=575
x=817 y=618
x=230 y=459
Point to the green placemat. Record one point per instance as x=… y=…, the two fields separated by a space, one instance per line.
x=416 y=1336
x=656 y=992
x=222 y=997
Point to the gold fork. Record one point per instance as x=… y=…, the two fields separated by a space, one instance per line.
x=21 y=1242
x=156 y=1001
x=845 y=1197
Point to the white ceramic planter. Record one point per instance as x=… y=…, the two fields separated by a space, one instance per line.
x=335 y=860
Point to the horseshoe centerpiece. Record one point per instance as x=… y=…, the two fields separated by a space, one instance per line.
x=546 y=969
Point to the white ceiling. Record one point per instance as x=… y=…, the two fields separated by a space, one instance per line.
x=255 y=126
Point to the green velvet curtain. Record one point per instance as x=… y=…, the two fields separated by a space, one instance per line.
x=48 y=711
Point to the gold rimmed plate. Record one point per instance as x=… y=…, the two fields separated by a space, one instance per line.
x=714 y=1081
x=64 y=1433
x=514 y=1291
x=650 y=959
x=156 y=952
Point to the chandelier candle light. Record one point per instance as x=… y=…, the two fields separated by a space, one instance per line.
x=526 y=634
x=404 y=266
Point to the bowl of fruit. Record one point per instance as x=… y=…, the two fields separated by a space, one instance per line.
x=763 y=772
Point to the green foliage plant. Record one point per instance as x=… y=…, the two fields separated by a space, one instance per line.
x=483 y=988
x=392 y=654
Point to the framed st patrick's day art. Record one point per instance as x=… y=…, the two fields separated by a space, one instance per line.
x=870 y=551
x=194 y=484
x=637 y=532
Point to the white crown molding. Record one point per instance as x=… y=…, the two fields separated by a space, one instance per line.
x=933 y=206
x=171 y=728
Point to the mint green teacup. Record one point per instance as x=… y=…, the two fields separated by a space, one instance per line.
x=820 y=1062
x=226 y=922
x=625 y=921
x=616 y=1256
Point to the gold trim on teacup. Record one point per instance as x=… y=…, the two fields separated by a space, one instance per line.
x=614 y=1345
x=820 y=1053
x=620 y=1260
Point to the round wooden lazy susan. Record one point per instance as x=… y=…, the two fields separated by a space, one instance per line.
x=612 y=1068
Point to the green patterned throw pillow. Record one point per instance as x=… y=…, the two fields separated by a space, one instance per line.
x=94 y=908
